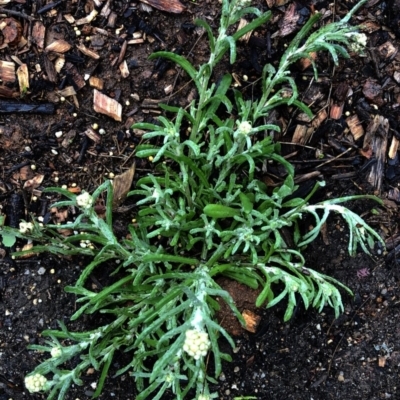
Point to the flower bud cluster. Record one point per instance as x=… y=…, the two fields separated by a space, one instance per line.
x=35 y=383
x=84 y=200
x=244 y=128
x=56 y=352
x=196 y=343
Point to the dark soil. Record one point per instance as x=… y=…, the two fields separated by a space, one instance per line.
x=314 y=355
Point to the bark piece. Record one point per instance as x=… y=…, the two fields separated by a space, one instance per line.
x=106 y=105
x=173 y=6
x=122 y=52
x=376 y=140
x=38 y=34
x=7 y=92
x=106 y=10
x=11 y=30
x=112 y=19
x=288 y=24
x=77 y=78
x=9 y=107
x=339 y=97
x=373 y=91
x=50 y=69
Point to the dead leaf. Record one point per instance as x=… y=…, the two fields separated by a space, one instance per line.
x=173 y=6
x=121 y=185
x=33 y=183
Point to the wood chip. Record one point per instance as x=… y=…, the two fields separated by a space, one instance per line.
x=106 y=105
x=387 y=50
x=59 y=64
x=301 y=134
x=393 y=148
x=123 y=67
x=58 y=46
x=89 y=18
x=23 y=78
x=370 y=26
x=305 y=62
x=97 y=83
x=88 y=52
x=252 y=320
x=93 y=135
x=66 y=92
x=355 y=126
x=7 y=71
x=242 y=23
x=136 y=41
x=69 y=18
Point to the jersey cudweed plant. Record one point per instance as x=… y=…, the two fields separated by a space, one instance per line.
x=203 y=213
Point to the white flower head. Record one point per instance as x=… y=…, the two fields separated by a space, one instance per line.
x=56 y=352
x=84 y=200
x=203 y=397
x=358 y=41
x=25 y=227
x=35 y=383
x=196 y=343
